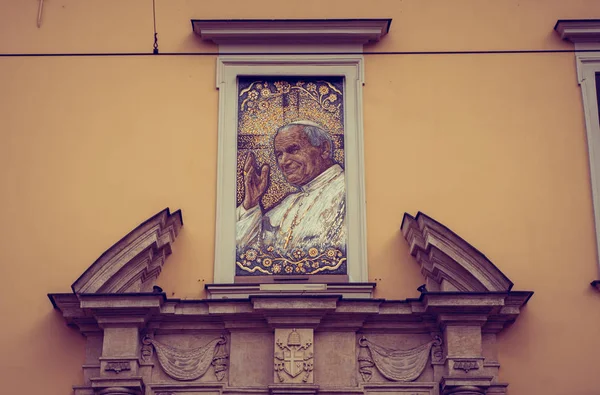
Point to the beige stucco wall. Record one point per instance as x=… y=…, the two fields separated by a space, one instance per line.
x=492 y=145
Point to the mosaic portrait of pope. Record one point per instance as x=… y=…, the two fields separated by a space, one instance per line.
x=304 y=230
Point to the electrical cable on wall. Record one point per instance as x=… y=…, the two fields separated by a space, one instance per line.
x=155 y=47
x=370 y=53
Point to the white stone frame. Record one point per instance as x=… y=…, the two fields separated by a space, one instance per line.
x=585 y=34
x=350 y=67
x=588 y=64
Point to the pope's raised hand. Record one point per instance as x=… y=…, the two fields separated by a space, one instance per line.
x=255 y=181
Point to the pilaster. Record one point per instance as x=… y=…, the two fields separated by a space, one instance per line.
x=120 y=317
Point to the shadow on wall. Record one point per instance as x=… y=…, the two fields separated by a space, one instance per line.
x=395 y=271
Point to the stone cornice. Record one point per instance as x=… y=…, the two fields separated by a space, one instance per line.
x=291 y=31
x=492 y=310
x=579 y=30
x=243 y=290
x=447 y=261
x=460 y=281
x=134 y=262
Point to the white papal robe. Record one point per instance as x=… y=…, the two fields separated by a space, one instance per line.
x=319 y=210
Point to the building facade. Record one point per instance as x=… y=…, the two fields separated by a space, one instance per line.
x=475 y=150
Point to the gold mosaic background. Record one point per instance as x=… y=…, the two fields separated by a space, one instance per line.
x=265 y=104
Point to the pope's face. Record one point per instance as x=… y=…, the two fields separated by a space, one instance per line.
x=299 y=161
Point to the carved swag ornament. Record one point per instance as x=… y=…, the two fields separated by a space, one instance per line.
x=185 y=365
x=396 y=365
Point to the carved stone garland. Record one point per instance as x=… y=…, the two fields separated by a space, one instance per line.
x=189 y=364
x=396 y=365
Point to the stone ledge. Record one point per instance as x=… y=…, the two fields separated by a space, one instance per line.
x=291 y=31
x=242 y=291
x=293 y=389
x=492 y=310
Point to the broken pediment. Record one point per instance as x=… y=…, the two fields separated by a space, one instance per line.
x=327 y=339
x=447 y=261
x=134 y=262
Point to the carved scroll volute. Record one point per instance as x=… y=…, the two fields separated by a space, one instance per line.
x=147 y=350
x=437 y=351
x=220 y=359
x=365 y=361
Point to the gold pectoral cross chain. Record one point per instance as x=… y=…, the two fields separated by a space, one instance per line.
x=288 y=238
x=297 y=220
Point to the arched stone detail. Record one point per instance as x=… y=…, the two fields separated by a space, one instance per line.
x=134 y=262
x=447 y=261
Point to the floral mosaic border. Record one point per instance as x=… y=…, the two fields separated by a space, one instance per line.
x=299 y=261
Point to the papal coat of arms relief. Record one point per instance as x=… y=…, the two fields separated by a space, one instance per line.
x=294 y=357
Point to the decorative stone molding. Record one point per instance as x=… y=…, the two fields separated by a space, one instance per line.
x=147 y=350
x=293 y=343
x=120 y=386
x=271 y=60
x=466 y=386
x=176 y=322
x=447 y=261
x=585 y=35
x=191 y=364
x=293 y=389
x=118 y=391
x=189 y=389
x=466 y=365
x=117 y=366
x=291 y=31
x=135 y=261
x=437 y=350
x=394 y=365
x=578 y=30
x=235 y=291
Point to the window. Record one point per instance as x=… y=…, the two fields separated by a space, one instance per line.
x=585 y=34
